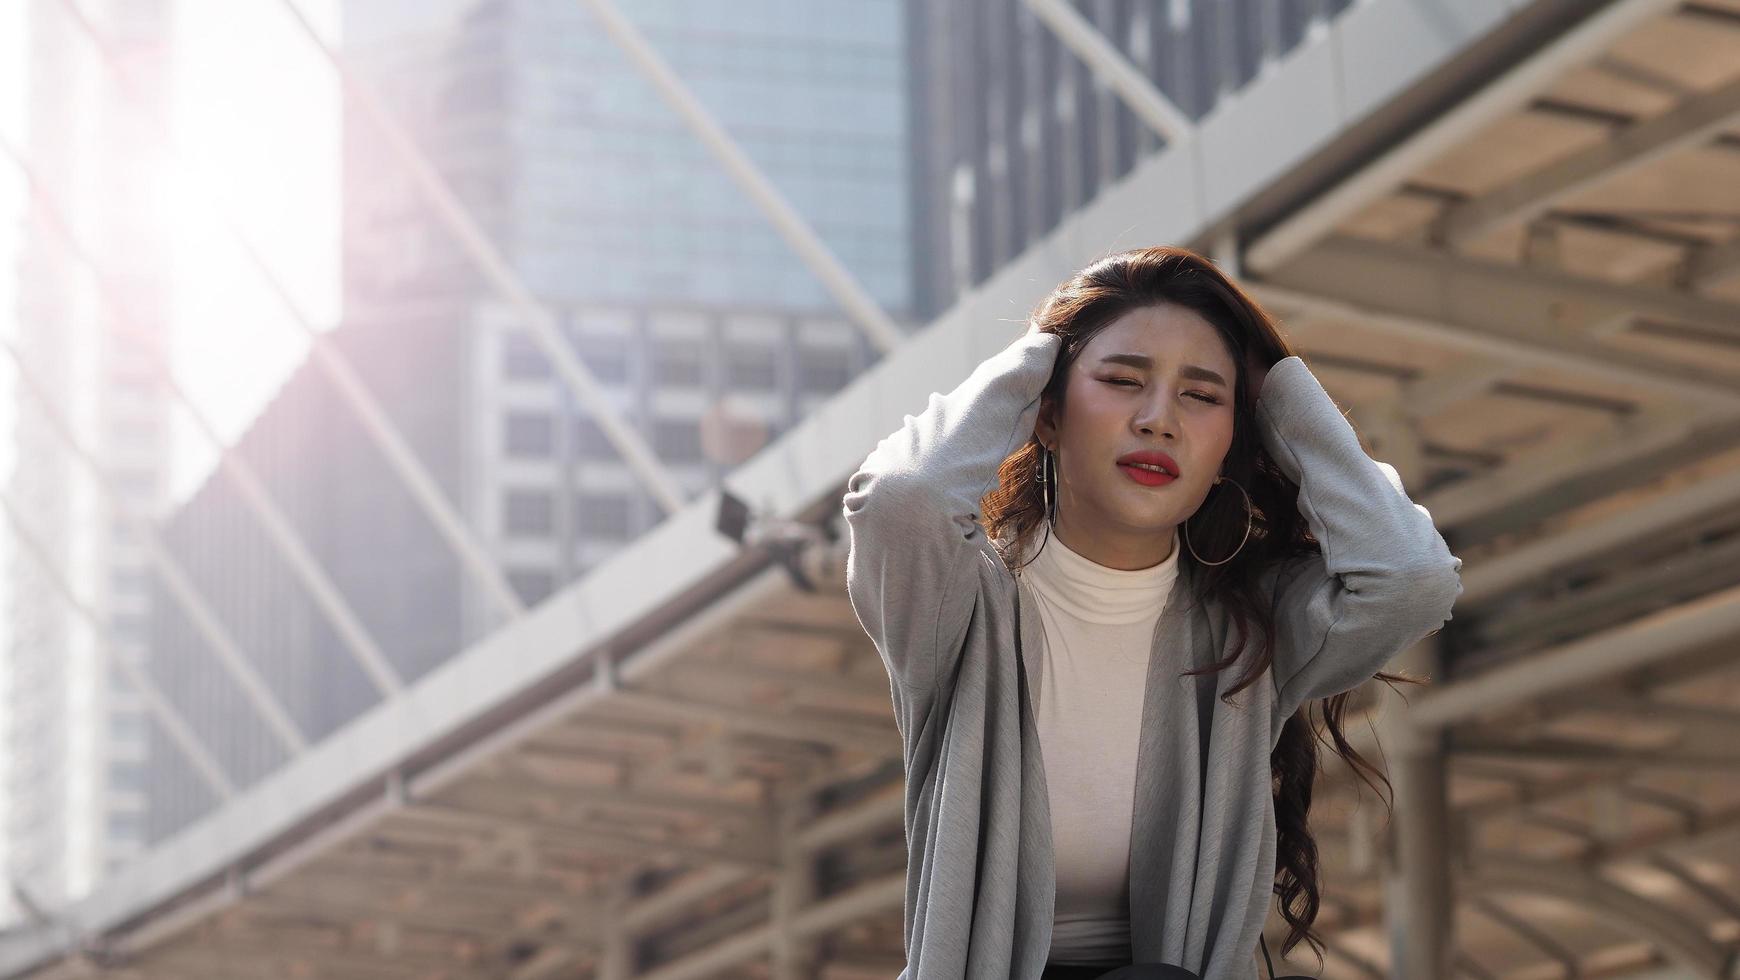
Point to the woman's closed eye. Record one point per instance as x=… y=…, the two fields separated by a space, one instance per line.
x=1198 y=395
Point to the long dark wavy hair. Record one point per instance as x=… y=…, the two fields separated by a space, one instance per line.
x=1014 y=513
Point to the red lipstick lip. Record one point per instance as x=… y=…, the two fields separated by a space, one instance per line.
x=1152 y=458
x=1147 y=478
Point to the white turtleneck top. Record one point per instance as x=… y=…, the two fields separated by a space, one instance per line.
x=1099 y=627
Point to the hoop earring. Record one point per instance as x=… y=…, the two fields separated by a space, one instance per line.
x=1045 y=471
x=1248 y=519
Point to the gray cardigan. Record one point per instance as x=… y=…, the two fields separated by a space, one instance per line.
x=942 y=606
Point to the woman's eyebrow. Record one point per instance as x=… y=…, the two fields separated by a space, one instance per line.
x=1146 y=363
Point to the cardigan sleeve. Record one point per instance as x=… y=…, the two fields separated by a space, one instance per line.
x=1385 y=578
x=912 y=515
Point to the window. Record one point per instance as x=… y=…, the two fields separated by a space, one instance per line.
x=751 y=366
x=823 y=369
x=126 y=827
x=529 y=435
x=607 y=357
x=677 y=440
x=126 y=777
x=127 y=726
x=134 y=431
x=134 y=388
x=528 y=513
x=602 y=515
x=129 y=580
x=676 y=363
x=129 y=627
x=589 y=441
x=522 y=359
x=481 y=92
x=531 y=584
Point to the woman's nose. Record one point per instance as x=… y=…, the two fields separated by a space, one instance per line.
x=1158 y=415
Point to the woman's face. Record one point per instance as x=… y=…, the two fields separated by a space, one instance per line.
x=1142 y=383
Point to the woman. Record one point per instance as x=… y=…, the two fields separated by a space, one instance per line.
x=1102 y=687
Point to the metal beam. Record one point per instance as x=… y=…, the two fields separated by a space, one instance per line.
x=1537 y=478
x=1661 y=926
x=1494 y=300
x=1107 y=63
x=1532 y=345
x=803 y=679
x=205 y=899
x=852 y=734
x=1715 y=834
x=1658 y=428
x=1695 y=121
x=607 y=677
x=739 y=851
x=794 y=887
x=1533 y=561
x=1509 y=92
x=1603 y=480
x=1569 y=752
x=1531 y=934
x=1684 y=628
x=1726 y=905
x=1420 y=884
x=1717 y=724
x=877 y=897
x=571 y=795
x=343 y=909
x=1418 y=879
x=1708 y=266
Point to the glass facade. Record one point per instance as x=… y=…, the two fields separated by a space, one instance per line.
x=594 y=186
x=1013 y=132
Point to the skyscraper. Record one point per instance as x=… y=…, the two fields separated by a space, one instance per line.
x=76 y=740
x=672 y=288
x=1013 y=131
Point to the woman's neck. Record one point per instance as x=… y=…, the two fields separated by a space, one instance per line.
x=1122 y=552
x=1096 y=593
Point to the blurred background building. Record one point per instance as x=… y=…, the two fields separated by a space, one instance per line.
x=77 y=736
x=673 y=288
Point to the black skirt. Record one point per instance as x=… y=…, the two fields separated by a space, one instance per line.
x=1058 y=971
x=1134 y=971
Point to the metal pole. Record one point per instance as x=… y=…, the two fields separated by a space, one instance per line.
x=793 y=957
x=1418 y=878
